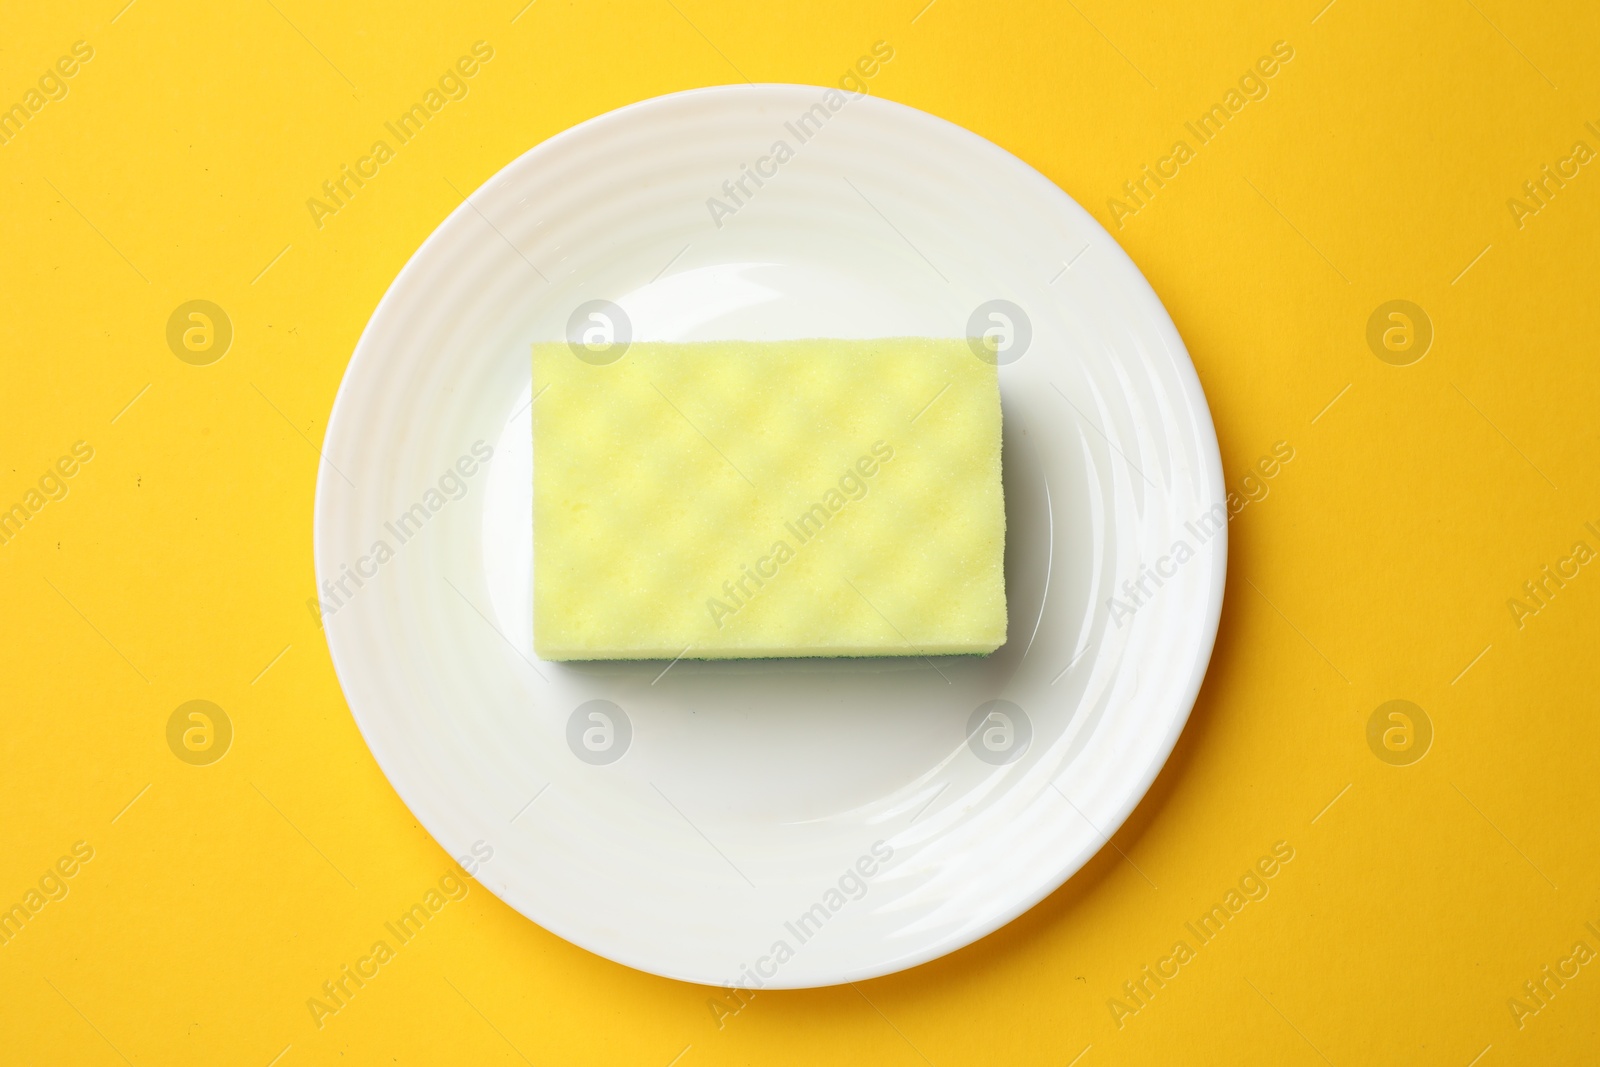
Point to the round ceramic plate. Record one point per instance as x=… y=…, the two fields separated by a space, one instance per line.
x=776 y=823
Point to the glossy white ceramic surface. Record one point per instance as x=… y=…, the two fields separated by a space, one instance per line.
x=746 y=793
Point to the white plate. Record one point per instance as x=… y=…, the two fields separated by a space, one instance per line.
x=746 y=792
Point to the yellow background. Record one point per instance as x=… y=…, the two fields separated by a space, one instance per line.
x=1378 y=567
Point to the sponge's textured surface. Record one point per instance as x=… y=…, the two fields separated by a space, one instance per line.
x=787 y=498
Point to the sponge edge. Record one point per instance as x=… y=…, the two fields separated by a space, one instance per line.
x=741 y=499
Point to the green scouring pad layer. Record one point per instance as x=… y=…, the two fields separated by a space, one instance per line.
x=739 y=499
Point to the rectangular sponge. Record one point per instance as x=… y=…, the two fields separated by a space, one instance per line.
x=738 y=499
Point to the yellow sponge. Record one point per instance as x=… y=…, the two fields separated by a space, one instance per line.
x=734 y=499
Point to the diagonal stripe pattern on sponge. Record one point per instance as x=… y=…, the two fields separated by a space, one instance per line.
x=737 y=499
